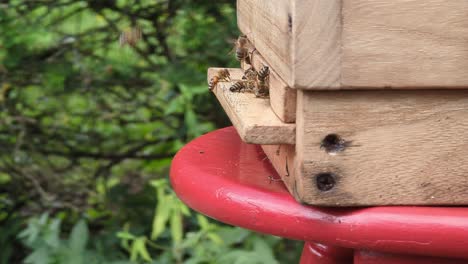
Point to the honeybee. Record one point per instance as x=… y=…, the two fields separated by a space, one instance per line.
x=247 y=84
x=221 y=75
x=238 y=86
x=241 y=47
x=250 y=75
x=130 y=36
x=253 y=81
x=224 y=74
x=263 y=73
x=262 y=82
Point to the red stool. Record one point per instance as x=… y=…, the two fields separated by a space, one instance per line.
x=222 y=177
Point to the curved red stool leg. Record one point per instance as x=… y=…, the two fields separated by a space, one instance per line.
x=315 y=253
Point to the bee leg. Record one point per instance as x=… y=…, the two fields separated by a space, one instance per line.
x=247 y=60
x=251 y=54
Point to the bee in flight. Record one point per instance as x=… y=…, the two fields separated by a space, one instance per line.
x=222 y=75
x=241 y=47
x=130 y=36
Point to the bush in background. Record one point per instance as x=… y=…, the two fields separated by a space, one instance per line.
x=88 y=130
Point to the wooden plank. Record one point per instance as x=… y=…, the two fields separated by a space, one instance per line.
x=300 y=40
x=265 y=23
x=316 y=49
x=282 y=157
x=282 y=97
x=252 y=117
x=393 y=147
x=405 y=44
x=361 y=44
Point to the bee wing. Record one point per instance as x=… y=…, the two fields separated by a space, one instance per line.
x=249 y=45
x=233 y=43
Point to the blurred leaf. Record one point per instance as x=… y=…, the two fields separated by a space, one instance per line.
x=203 y=222
x=175 y=106
x=233 y=235
x=263 y=251
x=52 y=234
x=176 y=226
x=125 y=235
x=215 y=238
x=39 y=256
x=139 y=250
x=79 y=236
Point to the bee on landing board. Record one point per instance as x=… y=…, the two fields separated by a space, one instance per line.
x=254 y=82
x=247 y=83
x=263 y=73
x=222 y=75
x=240 y=86
x=262 y=82
x=130 y=36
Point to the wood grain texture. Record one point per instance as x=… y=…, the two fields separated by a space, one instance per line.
x=252 y=117
x=299 y=39
x=282 y=97
x=405 y=43
x=283 y=159
x=361 y=44
x=265 y=23
x=399 y=147
x=316 y=51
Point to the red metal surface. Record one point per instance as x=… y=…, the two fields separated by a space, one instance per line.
x=369 y=257
x=315 y=253
x=228 y=180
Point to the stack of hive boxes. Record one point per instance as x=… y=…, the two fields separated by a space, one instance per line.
x=367 y=101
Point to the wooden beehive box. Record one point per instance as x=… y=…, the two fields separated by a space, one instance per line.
x=368 y=102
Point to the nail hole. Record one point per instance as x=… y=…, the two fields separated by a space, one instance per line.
x=333 y=143
x=325 y=181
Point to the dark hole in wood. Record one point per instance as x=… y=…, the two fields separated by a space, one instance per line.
x=325 y=181
x=333 y=143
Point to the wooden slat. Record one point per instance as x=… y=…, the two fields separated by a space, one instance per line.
x=282 y=157
x=300 y=40
x=282 y=97
x=316 y=51
x=252 y=117
x=397 y=147
x=265 y=23
x=361 y=44
x=405 y=43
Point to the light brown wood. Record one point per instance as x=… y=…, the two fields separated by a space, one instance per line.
x=361 y=44
x=398 y=147
x=252 y=117
x=282 y=157
x=405 y=43
x=299 y=39
x=282 y=97
x=265 y=23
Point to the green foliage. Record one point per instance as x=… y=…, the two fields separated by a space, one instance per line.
x=88 y=130
x=207 y=243
x=42 y=235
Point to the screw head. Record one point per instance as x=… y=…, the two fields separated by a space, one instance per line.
x=333 y=143
x=325 y=181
